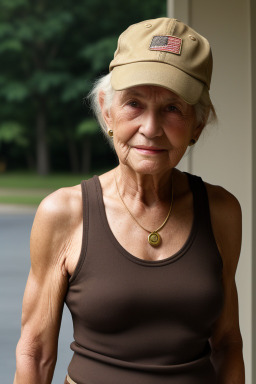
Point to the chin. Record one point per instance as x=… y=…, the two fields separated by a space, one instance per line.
x=147 y=168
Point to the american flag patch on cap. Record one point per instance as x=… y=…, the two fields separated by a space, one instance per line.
x=170 y=44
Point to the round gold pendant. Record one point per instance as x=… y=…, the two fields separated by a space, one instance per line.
x=154 y=239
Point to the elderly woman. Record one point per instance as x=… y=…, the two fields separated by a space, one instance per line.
x=145 y=255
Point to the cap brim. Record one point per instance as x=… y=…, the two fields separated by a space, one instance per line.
x=160 y=74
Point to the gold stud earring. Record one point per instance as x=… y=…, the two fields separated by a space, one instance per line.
x=192 y=142
x=110 y=133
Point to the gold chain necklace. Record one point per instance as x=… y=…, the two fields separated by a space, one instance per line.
x=154 y=238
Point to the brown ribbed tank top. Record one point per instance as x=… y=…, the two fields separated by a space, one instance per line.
x=139 y=321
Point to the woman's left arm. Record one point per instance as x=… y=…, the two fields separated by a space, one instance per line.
x=226 y=340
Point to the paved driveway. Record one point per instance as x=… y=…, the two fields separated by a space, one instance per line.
x=15 y=226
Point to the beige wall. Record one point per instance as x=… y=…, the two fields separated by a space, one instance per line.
x=224 y=154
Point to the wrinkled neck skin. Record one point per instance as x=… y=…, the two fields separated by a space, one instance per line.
x=147 y=189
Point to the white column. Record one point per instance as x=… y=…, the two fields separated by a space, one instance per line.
x=181 y=10
x=224 y=154
x=253 y=74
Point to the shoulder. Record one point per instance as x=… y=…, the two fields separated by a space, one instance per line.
x=223 y=204
x=59 y=209
x=226 y=217
x=56 y=219
x=60 y=204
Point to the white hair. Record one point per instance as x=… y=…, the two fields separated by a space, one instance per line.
x=204 y=109
x=103 y=84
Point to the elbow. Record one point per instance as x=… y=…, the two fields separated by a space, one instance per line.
x=228 y=363
x=233 y=344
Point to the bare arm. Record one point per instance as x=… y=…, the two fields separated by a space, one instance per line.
x=226 y=341
x=45 y=291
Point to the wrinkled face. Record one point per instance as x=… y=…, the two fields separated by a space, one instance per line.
x=152 y=128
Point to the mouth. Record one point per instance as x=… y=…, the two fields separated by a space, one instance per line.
x=148 y=150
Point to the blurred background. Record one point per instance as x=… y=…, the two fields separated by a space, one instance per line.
x=50 y=55
x=51 y=52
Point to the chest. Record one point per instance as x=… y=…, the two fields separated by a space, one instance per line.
x=124 y=283
x=116 y=290
x=132 y=233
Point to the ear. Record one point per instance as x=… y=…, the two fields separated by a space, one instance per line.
x=198 y=130
x=105 y=112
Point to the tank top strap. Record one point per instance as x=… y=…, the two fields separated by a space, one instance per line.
x=201 y=202
x=90 y=209
x=90 y=186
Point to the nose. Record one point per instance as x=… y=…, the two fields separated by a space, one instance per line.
x=151 y=125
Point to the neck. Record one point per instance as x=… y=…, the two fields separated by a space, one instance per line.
x=146 y=188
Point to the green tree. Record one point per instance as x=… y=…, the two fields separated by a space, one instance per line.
x=50 y=54
x=11 y=132
x=86 y=130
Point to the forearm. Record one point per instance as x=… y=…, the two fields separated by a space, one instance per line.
x=33 y=368
x=229 y=365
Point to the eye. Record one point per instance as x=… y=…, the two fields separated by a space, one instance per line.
x=172 y=108
x=133 y=104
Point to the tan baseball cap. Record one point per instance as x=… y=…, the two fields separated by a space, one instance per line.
x=164 y=52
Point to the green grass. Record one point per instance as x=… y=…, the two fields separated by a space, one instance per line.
x=29 y=188
x=21 y=200
x=32 y=180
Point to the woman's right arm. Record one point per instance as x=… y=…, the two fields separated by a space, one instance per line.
x=45 y=291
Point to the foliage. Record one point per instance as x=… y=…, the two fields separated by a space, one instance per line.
x=11 y=131
x=87 y=127
x=50 y=54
